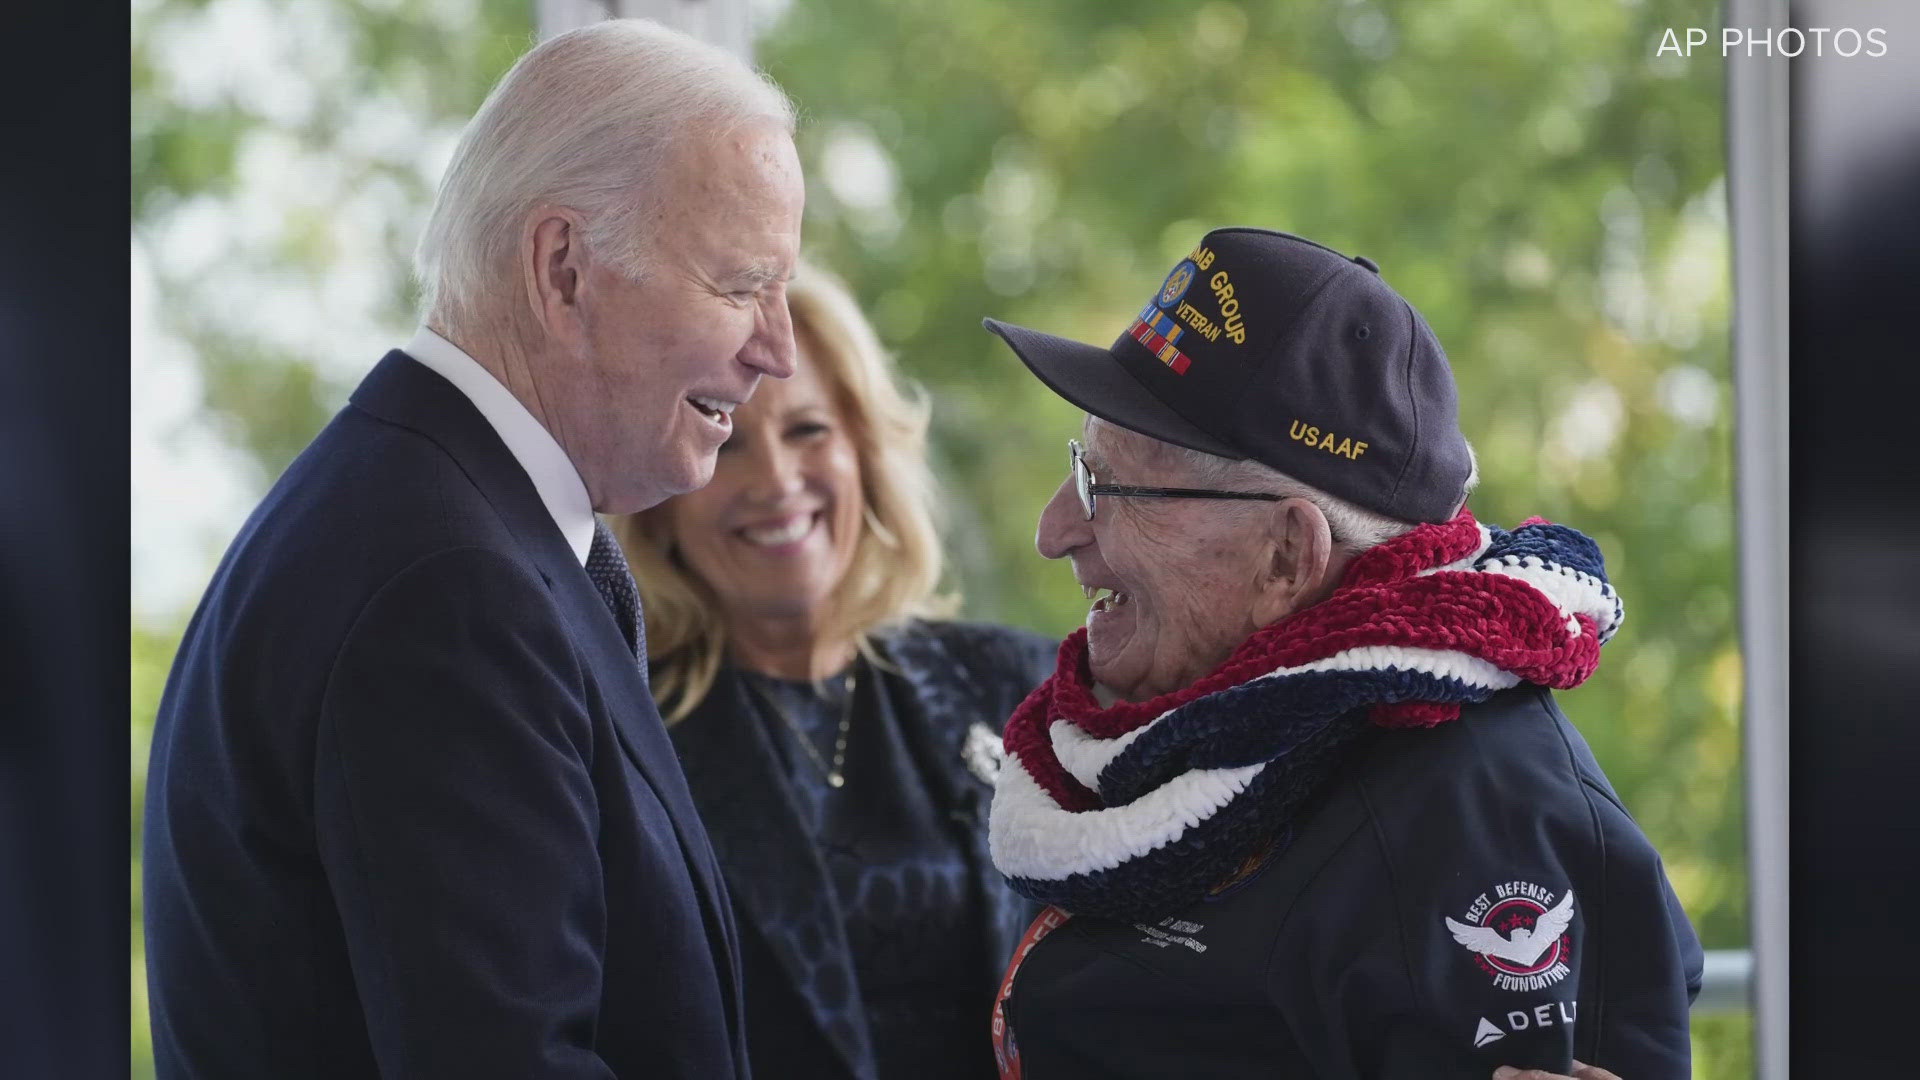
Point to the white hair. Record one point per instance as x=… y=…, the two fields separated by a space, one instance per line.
x=1355 y=528
x=585 y=120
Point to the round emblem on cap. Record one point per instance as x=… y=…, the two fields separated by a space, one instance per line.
x=1368 y=263
x=1177 y=282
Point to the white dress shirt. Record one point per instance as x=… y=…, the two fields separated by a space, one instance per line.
x=552 y=472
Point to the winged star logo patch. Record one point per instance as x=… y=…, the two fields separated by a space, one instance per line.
x=1176 y=284
x=1519 y=934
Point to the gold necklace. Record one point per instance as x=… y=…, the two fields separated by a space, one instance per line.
x=834 y=773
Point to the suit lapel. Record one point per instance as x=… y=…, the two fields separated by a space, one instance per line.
x=637 y=724
x=774 y=873
x=405 y=392
x=402 y=391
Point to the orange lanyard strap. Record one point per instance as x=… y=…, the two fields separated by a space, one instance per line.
x=1006 y=1053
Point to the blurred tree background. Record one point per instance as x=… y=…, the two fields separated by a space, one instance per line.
x=1546 y=189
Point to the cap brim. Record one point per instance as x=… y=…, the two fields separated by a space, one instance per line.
x=1092 y=379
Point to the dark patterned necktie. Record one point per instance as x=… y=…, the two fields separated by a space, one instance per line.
x=607 y=569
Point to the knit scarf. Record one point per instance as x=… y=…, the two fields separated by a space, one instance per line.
x=1137 y=810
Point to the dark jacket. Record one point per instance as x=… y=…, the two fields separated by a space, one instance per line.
x=411 y=811
x=1339 y=960
x=805 y=1016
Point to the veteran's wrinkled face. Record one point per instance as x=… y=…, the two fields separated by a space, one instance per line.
x=648 y=372
x=774 y=533
x=1179 y=582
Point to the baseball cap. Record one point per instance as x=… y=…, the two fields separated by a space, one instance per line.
x=1267 y=346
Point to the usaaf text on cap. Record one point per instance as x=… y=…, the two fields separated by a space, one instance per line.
x=1268 y=346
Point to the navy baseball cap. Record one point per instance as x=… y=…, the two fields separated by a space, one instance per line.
x=1266 y=346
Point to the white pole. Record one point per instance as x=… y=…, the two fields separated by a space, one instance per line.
x=1757 y=173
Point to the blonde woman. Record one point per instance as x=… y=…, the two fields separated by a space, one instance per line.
x=840 y=738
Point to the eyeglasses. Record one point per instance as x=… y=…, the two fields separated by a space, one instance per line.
x=1088 y=486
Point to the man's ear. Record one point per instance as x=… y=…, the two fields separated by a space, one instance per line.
x=554 y=262
x=1300 y=562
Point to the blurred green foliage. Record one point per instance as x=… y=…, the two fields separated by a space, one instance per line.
x=1533 y=177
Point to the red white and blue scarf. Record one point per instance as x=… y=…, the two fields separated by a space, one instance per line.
x=1134 y=811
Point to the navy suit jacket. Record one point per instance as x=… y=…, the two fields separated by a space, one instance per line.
x=411 y=811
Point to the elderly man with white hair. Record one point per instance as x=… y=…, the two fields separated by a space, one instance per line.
x=1299 y=796
x=411 y=810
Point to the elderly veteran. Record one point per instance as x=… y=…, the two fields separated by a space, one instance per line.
x=1299 y=795
x=839 y=736
x=412 y=811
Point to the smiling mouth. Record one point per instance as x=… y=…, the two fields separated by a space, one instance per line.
x=718 y=410
x=780 y=535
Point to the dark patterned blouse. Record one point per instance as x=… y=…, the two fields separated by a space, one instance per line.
x=901 y=875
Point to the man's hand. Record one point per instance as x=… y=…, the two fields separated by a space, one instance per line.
x=1580 y=1072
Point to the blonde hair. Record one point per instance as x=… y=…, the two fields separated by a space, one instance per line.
x=896 y=567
